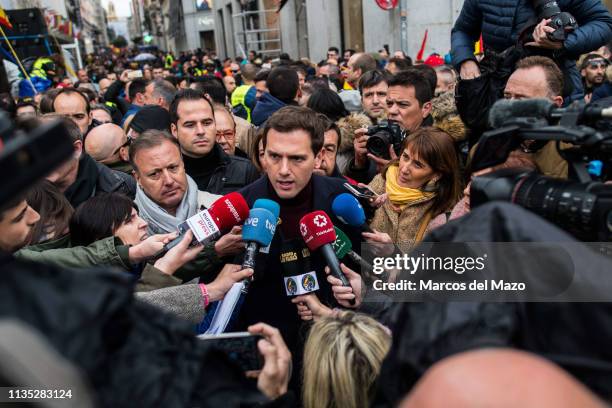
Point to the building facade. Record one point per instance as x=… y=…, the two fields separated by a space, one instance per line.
x=306 y=28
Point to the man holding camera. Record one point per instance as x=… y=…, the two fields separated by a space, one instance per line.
x=539 y=77
x=501 y=25
x=408 y=104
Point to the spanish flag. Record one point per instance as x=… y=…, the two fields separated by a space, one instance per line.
x=4 y=20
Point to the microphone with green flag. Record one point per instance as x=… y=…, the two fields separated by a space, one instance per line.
x=343 y=248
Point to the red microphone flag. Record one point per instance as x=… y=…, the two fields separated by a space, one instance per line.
x=317 y=230
x=229 y=210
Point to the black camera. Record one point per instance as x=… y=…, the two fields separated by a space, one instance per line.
x=580 y=205
x=582 y=209
x=562 y=22
x=383 y=135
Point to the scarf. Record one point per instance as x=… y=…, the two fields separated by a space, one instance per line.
x=161 y=221
x=402 y=196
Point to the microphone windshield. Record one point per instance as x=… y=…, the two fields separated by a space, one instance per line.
x=259 y=227
x=342 y=245
x=506 y=109
x=317 y=230
x=269 y=205
x=348 y=210
x=229 y=210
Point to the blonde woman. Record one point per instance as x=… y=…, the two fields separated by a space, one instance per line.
x=342 y=359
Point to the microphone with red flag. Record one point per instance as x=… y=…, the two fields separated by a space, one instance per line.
x=210 y=224
x=319 y=234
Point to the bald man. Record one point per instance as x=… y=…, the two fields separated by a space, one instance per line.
x=108 y=144
x=500 y=378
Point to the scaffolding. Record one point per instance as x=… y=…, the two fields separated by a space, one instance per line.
x=259 y=32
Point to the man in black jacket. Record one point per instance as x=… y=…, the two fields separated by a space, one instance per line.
x=193 y=125
x=81 y=177
x=293 y=138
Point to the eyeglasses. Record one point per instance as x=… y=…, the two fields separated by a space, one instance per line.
x=228 y=135
x=126 y=144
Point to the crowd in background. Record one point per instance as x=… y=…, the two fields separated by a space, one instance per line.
x=158 y=139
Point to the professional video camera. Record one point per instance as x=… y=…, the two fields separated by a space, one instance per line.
x=562 y=22
x=26 y=158
x=580 y=205
x=383 y=135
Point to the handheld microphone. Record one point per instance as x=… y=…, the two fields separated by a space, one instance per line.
x=274 y=208
x=348 y=210
x=299 y=278
x=269 y=205
x=342 y=247
x=258 y=231
x=210 y=224
x=318 y=232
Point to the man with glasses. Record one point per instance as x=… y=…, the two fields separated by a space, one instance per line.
x=593 y=72
x=193 y=125
x=107 y=144
x=226 y=131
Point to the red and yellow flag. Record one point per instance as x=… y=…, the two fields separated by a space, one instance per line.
x=4 y=20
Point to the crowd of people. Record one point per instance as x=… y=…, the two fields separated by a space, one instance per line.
x=155 y=142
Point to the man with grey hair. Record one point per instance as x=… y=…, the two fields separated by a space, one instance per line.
x=159 y=92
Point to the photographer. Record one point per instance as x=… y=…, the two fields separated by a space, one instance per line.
x=501 y=26
x=408 y=103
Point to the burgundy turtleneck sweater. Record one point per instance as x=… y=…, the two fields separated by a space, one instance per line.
x=292 y=210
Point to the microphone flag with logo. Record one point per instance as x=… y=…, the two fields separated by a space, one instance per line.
x=318 y=233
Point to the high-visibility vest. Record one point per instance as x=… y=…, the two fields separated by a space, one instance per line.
x=239 y=98
x=37 y=68
x=169 y=61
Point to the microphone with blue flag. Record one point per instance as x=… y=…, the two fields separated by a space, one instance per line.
x=257 y=232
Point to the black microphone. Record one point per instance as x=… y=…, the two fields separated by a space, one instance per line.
x=505 y=110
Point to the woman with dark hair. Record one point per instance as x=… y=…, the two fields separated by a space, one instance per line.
x=327 y=102
x=105 y=215
x=418 y=189
x=55 y=212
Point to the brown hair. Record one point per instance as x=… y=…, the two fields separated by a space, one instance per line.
x=54 y=209
x=292 y=118
x=71 y=126
x=72 y=91
x=554 y=76
x=364 y=62
x=437 y=149
x=255 y=150
x=149 y=139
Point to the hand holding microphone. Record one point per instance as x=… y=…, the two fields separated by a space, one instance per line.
x=257 y=232
x=350 y=296
x=210 y=224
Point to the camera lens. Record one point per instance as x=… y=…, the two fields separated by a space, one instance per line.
x=378 y=144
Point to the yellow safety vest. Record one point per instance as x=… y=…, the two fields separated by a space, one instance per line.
x=239 y=98
x=169 y=61
x=37 y=68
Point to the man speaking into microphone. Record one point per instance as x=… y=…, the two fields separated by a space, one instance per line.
x=292 y=140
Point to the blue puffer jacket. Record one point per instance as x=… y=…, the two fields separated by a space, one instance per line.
x=501 y=21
